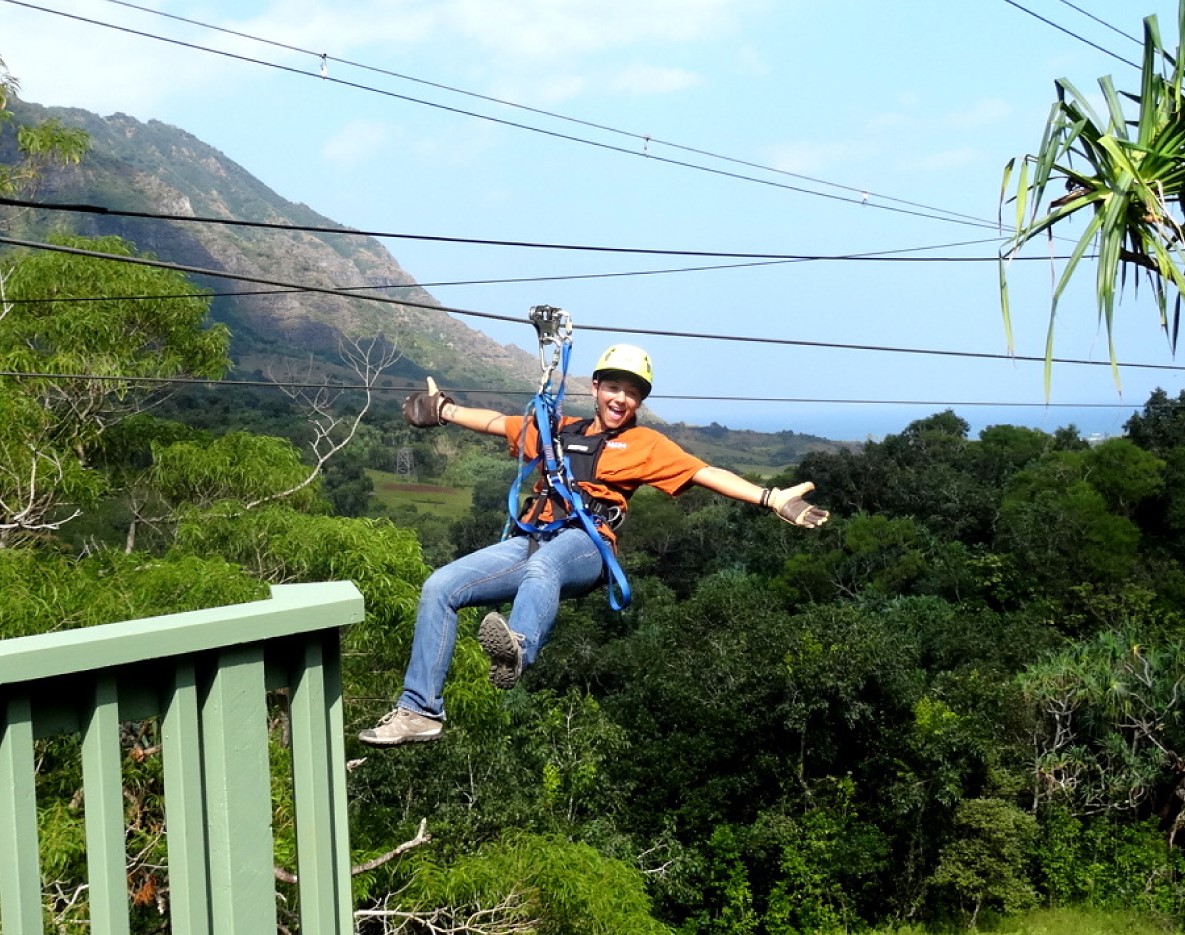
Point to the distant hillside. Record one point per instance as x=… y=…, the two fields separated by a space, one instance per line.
x=156 y=168
x=748 y=451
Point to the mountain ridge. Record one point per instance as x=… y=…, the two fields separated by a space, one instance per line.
x=155 y=168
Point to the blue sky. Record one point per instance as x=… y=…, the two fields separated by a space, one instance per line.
x=918 y=103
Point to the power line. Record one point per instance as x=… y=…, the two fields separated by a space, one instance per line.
x=342 y=387
x=646 y=139
x=928 y=213
x=517 y=280
x=1072 y=6
x=436 y=238
x=611 y=329
x=1072 y=34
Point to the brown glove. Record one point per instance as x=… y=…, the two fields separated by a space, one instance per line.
x=424 y=410
x=791 y=507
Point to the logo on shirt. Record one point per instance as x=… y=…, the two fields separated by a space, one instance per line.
x=613 y=443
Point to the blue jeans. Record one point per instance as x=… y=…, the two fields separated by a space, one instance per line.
x=566 y=565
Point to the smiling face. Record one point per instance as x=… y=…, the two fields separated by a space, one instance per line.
x=617 y=397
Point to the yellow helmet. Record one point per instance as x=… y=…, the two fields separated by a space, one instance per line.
x=626 y=358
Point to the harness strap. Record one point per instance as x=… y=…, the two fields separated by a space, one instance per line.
x=545 y=410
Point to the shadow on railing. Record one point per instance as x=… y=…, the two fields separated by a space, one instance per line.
x=206 y=675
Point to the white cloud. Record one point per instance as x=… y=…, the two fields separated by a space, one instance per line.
x=61 y=61
x=342 y=29
x=915 y=115
x=651 y=79
x=983 y=113
x=814 y=158
x=945 y=159
x=77 y=63
x=555 y=30
x=356 y=142
x=534 y=50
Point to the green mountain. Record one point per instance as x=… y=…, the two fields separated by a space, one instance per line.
x=154 y=168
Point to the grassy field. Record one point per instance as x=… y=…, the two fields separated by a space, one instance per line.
x=393 y=493
x=1060 y=922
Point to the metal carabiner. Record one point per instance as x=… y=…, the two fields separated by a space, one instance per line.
x=551 y=323
x=554 y=327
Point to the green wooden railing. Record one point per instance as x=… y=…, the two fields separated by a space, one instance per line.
x=206 y=675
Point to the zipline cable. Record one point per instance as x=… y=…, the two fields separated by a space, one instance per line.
x=1072 y=6
x=437 y=238
x=345 y=387
x=611 y=329
x=1072 y=34
x=516 y=280
x=645 y=139
x=929 y=214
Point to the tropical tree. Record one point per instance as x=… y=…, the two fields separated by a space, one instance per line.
x=1161 y=426
x=37 y=145
x=985 y=864
x=1125 y=173
x=88 y=360
x=1063 y=517
x=1108 y=728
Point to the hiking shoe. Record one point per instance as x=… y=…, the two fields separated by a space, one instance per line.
x=401 y=726
x=505 y=649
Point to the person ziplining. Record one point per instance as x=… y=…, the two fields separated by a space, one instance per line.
x=562 y=544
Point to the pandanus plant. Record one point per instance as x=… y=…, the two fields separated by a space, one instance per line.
x=1126 y=174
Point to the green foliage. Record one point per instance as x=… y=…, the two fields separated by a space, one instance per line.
x=46 y=591
x=1069 y=921
x=565 y=888
x=478 y=468
x=1005 y=449
x=48 y=331
x=1125 y=172
x=724 y=891
x=346 y=485
x=85 y=357
x=789 y=872
x=1160 y=427
x=39 y=145
x=929 y=473
x=985 y=864
x=830 y=862
x=1107 y=864
x=569 y=746
x=236 y=466
x=1062 y=528
x=1109 y=734
x=1124 y=474
x=877 y=555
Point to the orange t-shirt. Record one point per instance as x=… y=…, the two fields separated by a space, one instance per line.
x=635 y=456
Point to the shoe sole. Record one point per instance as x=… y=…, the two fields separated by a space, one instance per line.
x=500 y=645
x=383 y=742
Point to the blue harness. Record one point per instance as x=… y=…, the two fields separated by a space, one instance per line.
x=545 y=412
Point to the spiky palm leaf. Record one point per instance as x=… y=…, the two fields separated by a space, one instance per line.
x=1130 y=175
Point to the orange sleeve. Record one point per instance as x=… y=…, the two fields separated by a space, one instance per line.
x=644 y=456
x=514 y=428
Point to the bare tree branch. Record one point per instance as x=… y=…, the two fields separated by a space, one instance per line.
x=331 y=433
x=422 y=837
x=504 y=918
